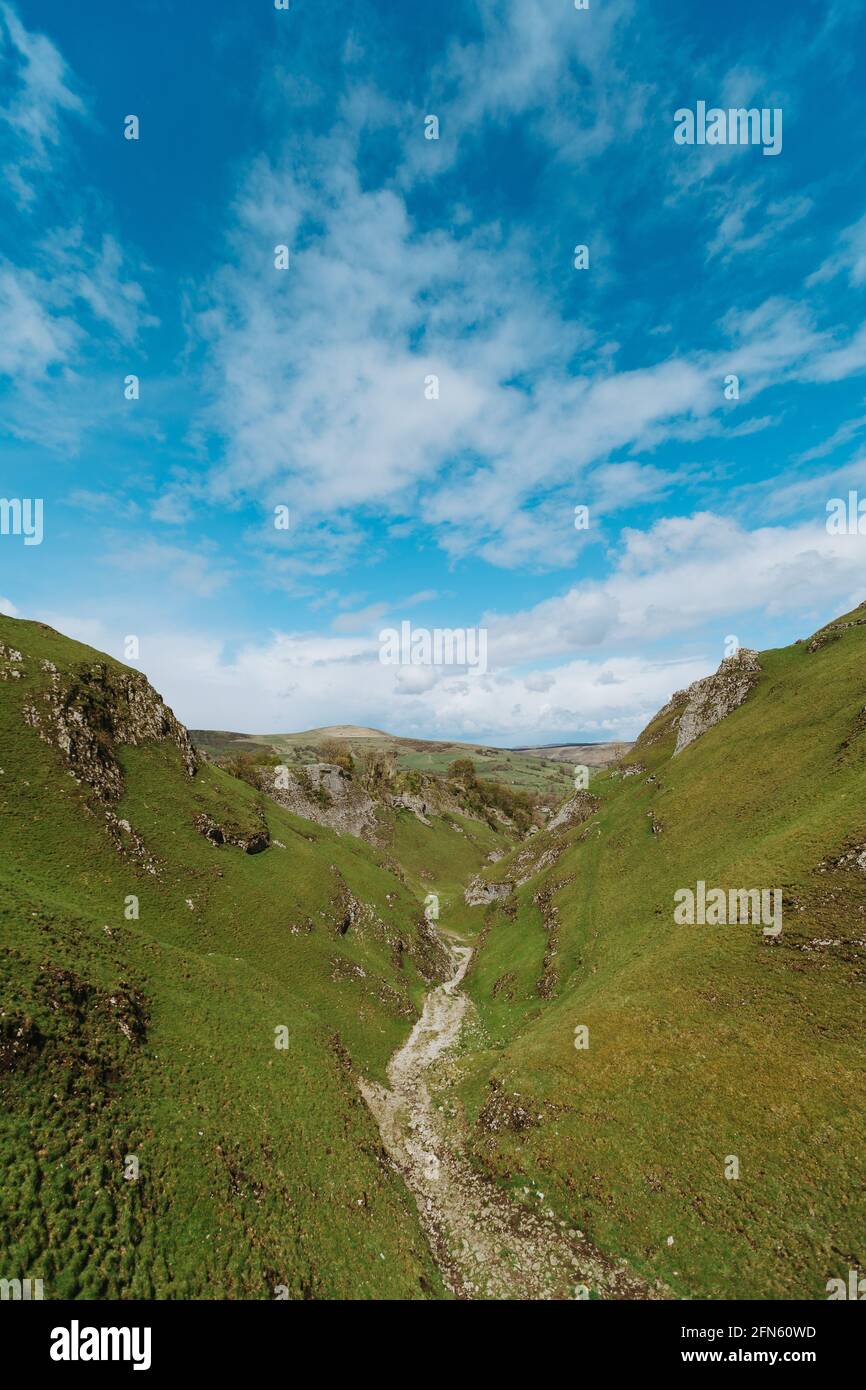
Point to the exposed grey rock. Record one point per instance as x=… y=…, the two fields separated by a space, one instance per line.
x=328 y=777
x=710 y=700
x=831 y=633
x=530 y=863
x=854 y=858
x=325 y=793
x=574 y=811
x=10 y=663
x=480 y=894
x=129 y=843
x=88 y=711
x=250 y=841
x=416 y=804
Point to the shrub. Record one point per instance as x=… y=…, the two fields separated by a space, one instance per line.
x=335 y=751
x=379 y=769
x=247 y=766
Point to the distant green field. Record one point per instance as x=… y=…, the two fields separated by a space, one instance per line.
x=546 y=776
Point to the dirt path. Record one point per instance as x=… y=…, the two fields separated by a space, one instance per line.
x=486 y=1245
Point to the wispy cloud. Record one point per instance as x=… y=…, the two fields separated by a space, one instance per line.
x=431 y=388
x=188 y=572
x=41 y=93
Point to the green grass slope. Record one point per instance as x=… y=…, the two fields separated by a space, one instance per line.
x=260 y=1170
x=705 y=1042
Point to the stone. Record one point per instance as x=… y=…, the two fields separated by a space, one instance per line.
x=712 y=699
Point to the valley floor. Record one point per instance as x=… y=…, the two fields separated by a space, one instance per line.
x=487 y=1245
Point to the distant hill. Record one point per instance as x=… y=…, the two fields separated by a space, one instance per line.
x=590 y=754
x=338 y=731
x=538 y=768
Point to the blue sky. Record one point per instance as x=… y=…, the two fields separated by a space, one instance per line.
x=409 y=257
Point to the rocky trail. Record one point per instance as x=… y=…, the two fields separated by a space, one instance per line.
x=487 y=1245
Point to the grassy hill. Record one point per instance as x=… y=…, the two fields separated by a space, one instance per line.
x=592 y=755
x=153 y=1036
x=160 y=919
x=527 y=770
x=705 y=1042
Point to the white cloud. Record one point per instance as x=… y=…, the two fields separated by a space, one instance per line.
x=362 y=620
x=296 y=681
x=38 y=324
x=34 y=113
x=580 y=664
x=329 y=410
x=841 y=436
x=583 y=662
x=681 y=576
x=98 y=279
x=47 y=344
x=562 y=71
x=748 y=209
x=837 y=363
x=32 y=339
x=54 y=312
x=173 y=507
x=810 y=492
x=616 y=485
x=849 y=259
x=189 y=571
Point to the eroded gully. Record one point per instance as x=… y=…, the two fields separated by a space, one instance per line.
x=487 y=1244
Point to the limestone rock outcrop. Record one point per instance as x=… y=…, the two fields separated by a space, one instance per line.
x=574 y=811
x=325 y=793
x=88 y=711
x=480 y=894
x=710 y=700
